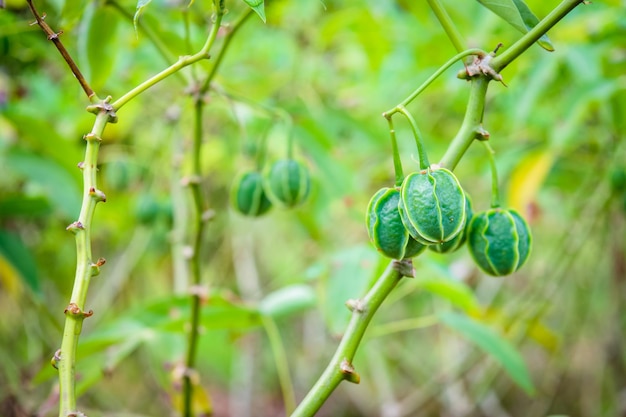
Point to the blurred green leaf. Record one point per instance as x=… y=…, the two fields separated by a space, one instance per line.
x=258 y=6
x=287 y=301
x=24 y=206
x=17 y=254
x=348 y=274
x=494 y=344
x=517 y=14
x=100 y=44
x=56 y=183
x=458 y=293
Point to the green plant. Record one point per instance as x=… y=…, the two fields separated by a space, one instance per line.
x=199 y=290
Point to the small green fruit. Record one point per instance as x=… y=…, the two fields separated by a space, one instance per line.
x=432 y=205
x=247 y=195
x=499 y=241
x=288 y=183
x=385 y=227
x=458 y=241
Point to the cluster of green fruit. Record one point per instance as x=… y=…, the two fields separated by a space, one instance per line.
x=286 y=184
x=431 y=210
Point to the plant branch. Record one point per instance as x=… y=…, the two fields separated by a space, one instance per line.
x=478 y=52
x=54 y=37
x=182 y=62
x=340 y=367
x=86 y=267
x=472 y=123
x=448 y=25
x=500 y=62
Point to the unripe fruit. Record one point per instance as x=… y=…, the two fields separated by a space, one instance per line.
x=247 y=195
x=499 y=241
x=385 y=228
x=288 y=183
x=432 y=205
x=457 y=241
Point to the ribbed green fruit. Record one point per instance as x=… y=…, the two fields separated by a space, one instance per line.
x=288 y=183
x=459 y=240
x=432 y=205
x=385 y=228
x=247 y=196
x=499 y=241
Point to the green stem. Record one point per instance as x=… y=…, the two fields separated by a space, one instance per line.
x=448 y=25
x=421 y=149
x=478 y=52
x=182 y=62
x=282 y=366
x=340 y=366
x=220 y=56
x=533 y=35
x=195 y=259
x=397 y=162
x=472 y=123
x=85 y=268
x=495 y=189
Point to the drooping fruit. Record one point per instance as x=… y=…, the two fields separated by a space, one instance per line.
x=288 y=183
x=499 y=241
x=247 y=195
x=432 y=205
x=459 y=240
x=385 y=228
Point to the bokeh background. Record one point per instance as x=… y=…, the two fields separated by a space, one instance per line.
x=558 y=129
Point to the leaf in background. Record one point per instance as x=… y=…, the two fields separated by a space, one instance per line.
x=72 y=12
x=456 y=292
x=141 y=5
x=347 y=275
x=258 y=6
x=527 y=178
x=19 y=257
x=494 y=344
x=24 y=206
x=287 y=301
x=55 y=182
x=518 y=15
x=101 y=44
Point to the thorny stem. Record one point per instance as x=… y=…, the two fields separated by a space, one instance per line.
x=448 y=26
x=340 y=367
x=54 y=37
x=85 y=265
x=472 y=123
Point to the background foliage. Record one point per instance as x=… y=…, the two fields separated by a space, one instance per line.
x=437 y=346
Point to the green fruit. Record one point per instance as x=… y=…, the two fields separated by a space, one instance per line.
x=247 y=195
x=146 y=209
x=432 y=205
x=288 y=183
x=385 y=228
x=499 y=241
x=458 y=241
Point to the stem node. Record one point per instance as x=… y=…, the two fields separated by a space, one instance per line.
x=75 y=227
x=348 y=372
x=404 y=267
x=73 y=310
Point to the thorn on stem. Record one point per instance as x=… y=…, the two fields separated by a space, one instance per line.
x=55 y=36
x=75 y=227
x=74 y=310
x=97 y=195
x=356 y=306
x=56 y=359
x=349 y=374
